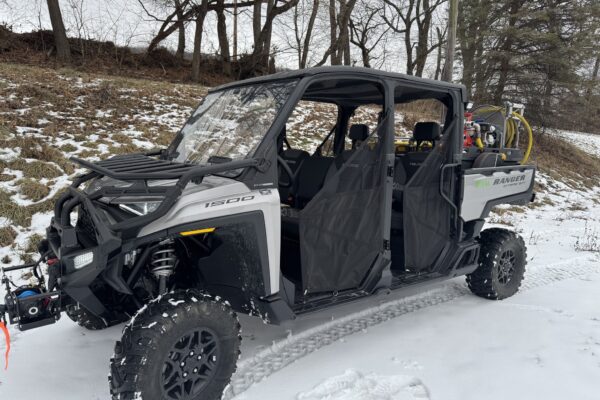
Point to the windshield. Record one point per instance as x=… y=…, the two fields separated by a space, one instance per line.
x=230 y=124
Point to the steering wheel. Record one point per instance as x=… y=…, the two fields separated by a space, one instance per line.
x=288 y=172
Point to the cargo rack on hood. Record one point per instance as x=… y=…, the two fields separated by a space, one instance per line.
x=138 y=169
x=135 y=167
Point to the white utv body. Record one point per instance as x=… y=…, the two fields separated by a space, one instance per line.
x=233 y=218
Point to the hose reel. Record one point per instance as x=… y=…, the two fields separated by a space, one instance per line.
x=510 y=118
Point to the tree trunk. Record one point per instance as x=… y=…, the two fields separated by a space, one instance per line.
x=257 y=20
x=196 y=59
x=222 y=36
x=309 y=29
x=424 y=27
x=181 y=39
x=166 y=30
x=451 y=43
x=345 y=41
x=333 y=29
x=438 y=63
x=235 y=30
x=269 y=33
x=260 y=60
x=63 y=50
x=342 y=45
x=596 y=70
x=593 y=79
x=505 y=53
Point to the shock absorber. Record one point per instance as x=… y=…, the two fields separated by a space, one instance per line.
x=163 y=262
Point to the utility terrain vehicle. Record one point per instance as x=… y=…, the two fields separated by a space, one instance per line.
x=236 y=216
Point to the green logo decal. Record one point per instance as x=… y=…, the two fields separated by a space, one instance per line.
x=483 y=183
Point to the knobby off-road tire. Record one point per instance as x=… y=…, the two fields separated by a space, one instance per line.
x=502 y=261
x=183 y=345
x=87 y=320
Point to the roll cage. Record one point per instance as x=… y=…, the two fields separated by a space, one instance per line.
x=348 y=88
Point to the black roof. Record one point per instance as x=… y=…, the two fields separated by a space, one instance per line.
x=346 y=70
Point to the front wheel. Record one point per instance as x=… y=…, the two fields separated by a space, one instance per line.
x=184 y=345
x=502 y=261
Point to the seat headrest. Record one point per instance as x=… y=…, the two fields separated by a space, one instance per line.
x=281 y=140
x=358 y=132
x=427 y=131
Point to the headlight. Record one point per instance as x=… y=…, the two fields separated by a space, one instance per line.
x=83 y=259
x=140 y=208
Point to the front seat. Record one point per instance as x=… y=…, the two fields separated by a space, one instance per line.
x=358 y=134
x=423 y=132
x=293 y=158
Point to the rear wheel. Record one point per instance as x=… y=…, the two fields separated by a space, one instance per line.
x=184 y=345
x=502 y=261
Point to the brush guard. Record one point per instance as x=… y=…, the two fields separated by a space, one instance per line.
x=33 y=306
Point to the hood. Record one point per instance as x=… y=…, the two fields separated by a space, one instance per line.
x=211 y=187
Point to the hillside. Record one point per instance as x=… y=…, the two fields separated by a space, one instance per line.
x=49 y=115
x=379 y=348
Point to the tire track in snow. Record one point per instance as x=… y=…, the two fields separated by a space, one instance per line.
x=286 y=351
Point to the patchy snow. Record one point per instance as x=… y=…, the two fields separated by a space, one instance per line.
x=437 y=342
x=443 y=343
x=585 y=141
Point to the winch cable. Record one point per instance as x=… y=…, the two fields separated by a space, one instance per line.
x=7 y=338
x=511 y=129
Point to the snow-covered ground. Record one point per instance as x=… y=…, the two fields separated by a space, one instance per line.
x=443 y=343
x=585 y=141
x=439 y=342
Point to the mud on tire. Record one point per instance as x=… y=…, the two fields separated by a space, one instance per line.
x=502 y=261
x=183 y=345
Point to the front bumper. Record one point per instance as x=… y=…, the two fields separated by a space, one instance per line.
x=78 y=260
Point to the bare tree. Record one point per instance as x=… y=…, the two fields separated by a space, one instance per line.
x=181 y=22
x=339 y=41
x=259 y=60
x=200 y=14
x=257 y=19
x=63 y=50
x=367 y=30
x=222 y=37
x=403 y=16
x=303 y=32
x=170 y=23
x=441 y=38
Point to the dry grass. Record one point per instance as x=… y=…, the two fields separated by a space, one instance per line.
x=589 y=241
x=32 y=189
x=7 y=236
x=418 y=111
x=35 y=169
x=35 y=148
x=565 y=162
x=124 y=149
x=68 y=148
x=45 y=113
x=121 y=138
x=32 y=243
x=21 y=215
x=6 y=177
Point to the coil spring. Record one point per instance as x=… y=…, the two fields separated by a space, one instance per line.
x=163 y=260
